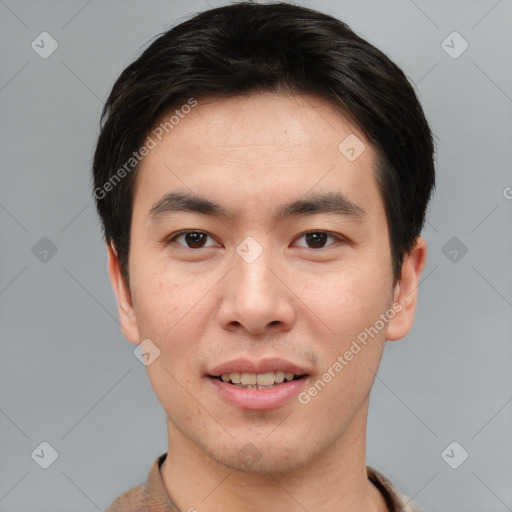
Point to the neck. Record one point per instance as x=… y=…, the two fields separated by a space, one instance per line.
x=334 y=480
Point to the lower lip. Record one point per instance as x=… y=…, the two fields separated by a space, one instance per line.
x=258 y=399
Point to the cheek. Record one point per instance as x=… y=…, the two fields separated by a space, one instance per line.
x=347 y=301
x=162 y=295
x=351 y=351
x=169 y=306
x=156 y=305
x=166 y=309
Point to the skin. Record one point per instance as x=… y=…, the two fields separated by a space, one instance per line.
x=302 y=302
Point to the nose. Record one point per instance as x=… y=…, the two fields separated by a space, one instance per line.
x=257 y=299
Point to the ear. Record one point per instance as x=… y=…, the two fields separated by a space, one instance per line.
x=406 y=291
x=125 y=310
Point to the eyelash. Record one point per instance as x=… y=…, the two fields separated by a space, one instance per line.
x=171 y=239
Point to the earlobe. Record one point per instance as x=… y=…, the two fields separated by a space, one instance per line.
x=126 y=313
x=406 y=291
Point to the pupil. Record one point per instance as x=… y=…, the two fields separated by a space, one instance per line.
x=316 y=238
x=194 y=238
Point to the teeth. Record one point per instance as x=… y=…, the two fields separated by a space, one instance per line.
x=260 y=379
x=249 y=378
x=265 y=379
x=279 y=376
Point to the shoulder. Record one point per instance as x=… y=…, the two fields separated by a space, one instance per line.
x=409 y=505
x=146 y=497
x=130 y=501
x=395 y=500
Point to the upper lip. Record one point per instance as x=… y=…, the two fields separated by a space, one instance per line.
x=244 y=365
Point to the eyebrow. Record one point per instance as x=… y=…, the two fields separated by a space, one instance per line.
x=327 y=203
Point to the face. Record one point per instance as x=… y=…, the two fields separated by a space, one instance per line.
x=281 y=263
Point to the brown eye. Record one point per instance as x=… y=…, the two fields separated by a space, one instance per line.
x=193 y=239
x=317 y=239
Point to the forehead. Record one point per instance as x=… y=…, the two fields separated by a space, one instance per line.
x=253 y=151
x=264 y=122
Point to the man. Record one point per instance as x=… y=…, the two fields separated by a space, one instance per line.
x=262 y=176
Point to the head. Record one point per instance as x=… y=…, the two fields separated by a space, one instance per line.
x=277 y=123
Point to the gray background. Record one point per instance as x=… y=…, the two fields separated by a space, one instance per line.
x=67 y=375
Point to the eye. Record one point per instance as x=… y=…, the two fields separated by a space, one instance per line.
x=193 y=239
x=197 y=239
x=317 y=239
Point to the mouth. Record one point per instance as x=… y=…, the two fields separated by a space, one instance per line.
x=246 y=393
x=266 y=380
x=262 y=384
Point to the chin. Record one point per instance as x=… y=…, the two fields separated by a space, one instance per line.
x=264 y=456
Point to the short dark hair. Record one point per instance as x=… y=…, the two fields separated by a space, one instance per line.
x=243 y=48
